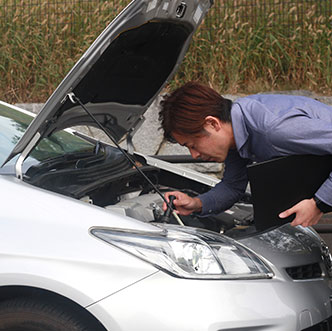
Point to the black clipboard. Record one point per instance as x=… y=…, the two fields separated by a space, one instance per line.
x=278 y=184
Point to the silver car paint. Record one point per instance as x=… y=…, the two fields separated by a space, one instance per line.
x=46 y=244
x=164 y=303
x=182 y=171
x=52 y=249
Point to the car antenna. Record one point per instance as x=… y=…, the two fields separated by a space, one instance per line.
x=74 y=99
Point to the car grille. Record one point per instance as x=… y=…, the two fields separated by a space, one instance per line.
x=308 y=271
x=326 y=325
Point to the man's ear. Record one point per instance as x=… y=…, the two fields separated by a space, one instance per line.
x=212 y=122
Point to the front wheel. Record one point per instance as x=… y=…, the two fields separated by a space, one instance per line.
x=25 y=314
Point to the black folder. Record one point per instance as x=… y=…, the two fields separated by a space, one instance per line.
x=278 y=184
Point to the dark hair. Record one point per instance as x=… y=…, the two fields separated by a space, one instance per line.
x=185 y=109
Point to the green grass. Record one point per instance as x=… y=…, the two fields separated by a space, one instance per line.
x=269 y=45
x=274 y=52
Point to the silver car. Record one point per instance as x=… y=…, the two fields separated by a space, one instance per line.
x=84 y=242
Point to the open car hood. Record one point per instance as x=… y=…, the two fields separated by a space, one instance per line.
x=123 y=71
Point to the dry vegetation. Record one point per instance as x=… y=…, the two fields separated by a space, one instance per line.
x=241 y=48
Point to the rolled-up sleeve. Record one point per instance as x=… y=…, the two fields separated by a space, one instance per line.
x=230 y=189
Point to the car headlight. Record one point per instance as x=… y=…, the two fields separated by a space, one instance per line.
x=189 y=253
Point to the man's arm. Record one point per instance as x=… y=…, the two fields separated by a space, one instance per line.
x=230 y=189
x=219 y=198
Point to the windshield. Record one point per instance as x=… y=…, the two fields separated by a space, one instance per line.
x=13 y=124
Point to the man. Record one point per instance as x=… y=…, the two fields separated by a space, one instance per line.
x=253 y=128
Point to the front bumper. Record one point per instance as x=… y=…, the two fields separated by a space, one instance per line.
x=164 y=303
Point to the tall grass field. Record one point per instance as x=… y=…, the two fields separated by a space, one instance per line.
x=244 y=46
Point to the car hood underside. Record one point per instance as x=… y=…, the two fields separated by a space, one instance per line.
x=122 y=72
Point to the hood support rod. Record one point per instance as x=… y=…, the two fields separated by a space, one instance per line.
x=74 y=99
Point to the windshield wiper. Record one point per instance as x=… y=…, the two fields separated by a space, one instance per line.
x=75 y=160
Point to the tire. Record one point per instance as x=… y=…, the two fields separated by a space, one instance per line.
x=23 y=314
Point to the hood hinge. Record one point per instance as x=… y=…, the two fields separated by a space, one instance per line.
x=130 y=135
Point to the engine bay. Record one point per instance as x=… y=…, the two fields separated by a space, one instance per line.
x=110 y=181
x=234 y=222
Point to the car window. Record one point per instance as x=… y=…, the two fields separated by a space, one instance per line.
x=60 y=143
x=12 y=127
x=14 y=123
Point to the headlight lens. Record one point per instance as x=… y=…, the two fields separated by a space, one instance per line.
x=189 y=253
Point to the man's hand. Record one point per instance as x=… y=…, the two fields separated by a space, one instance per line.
x=306 y=211
x=184 y=204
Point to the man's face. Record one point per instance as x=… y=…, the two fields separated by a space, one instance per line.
x=214 y=142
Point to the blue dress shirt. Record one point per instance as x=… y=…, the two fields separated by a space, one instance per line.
x=267 y=126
